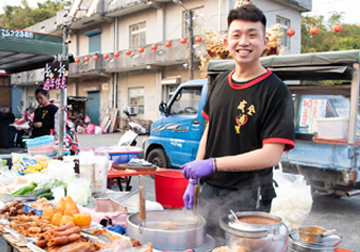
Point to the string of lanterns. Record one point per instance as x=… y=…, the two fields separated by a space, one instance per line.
x=290 y=32
x=314 y=30
x=141 y=49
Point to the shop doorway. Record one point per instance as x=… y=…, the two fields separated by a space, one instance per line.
x=16 y=97
x=93 y=106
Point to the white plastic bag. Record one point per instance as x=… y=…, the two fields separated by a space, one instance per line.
x=293 y=201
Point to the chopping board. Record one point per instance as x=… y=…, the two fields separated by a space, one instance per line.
x=134 y=166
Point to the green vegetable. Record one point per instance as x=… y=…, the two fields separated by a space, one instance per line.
x=25 y=189
x=48 y=196
x=38 y=192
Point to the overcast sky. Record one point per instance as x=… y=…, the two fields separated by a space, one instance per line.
x=320 y=7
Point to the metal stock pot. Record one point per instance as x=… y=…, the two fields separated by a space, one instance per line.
x=255 y=231
x=188 y=231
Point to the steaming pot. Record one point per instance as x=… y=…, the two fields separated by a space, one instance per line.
x=255 y=237
x=190 y=231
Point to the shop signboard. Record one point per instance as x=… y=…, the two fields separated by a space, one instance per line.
x=56 y=75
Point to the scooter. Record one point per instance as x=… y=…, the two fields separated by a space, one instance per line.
x=135 y=129
x=71 y=140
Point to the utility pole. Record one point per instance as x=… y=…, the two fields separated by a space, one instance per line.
x=62 y=95
x=191 y=57
x=191 y=39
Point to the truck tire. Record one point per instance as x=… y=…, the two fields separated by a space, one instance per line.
x=158 y=157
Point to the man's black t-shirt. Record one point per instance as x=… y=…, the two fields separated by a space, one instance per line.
x=243 y=118
x=46 y=115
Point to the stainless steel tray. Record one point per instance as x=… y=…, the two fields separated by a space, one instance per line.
x=4 y=197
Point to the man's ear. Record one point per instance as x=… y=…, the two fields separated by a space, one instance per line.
x=266 y=41
x=226 y=42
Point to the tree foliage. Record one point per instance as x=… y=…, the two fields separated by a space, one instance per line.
x=23 y=16
x=327 y=39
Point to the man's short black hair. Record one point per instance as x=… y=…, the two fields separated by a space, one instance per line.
x=247 y=12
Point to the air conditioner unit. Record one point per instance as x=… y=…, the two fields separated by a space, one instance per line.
x=132 y=110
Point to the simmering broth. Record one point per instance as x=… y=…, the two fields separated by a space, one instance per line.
x=258 y=220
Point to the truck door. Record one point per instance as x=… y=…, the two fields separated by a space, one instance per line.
x=182 y=129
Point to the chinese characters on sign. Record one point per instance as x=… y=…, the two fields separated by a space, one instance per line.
x=56 y=75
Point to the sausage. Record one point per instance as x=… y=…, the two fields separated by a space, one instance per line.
x=67 y=232
x=62 y=228
x=41 y=243
x=58 y=241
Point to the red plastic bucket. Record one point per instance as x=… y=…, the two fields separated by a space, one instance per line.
x=170 y=188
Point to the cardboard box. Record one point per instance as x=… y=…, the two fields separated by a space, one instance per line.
x=333 y=127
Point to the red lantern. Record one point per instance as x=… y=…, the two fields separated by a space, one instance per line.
x=183 y=40
x=95 y=57
x=167 y=43
x=86 y=59
x=290 y=32
x=314 y=30
x=141 y=49
x=116 y=54
x=106 y=56
x=77 y=60
x=153 y=47
x=198 y=39
x=128 y=52
x=337 y=28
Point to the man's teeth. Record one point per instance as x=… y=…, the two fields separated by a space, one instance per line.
x=243 y=51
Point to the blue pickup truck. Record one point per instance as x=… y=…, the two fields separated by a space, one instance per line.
x=328 y=160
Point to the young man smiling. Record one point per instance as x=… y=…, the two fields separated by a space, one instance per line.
x=250 y=123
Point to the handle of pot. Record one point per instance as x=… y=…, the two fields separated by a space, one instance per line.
x=196 y=189
x=329 y=232
x=142 y=208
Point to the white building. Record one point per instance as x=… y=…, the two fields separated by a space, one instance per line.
x=144 y=79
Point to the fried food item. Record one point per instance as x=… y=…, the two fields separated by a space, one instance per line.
x=77 y=247
x=223 y=249
x=42 y=204
x=63 y=240
x=237 y=248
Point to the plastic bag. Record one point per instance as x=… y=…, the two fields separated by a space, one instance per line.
x=79 y=191
x=293 y=201
x=90 y=129
x=119 y=245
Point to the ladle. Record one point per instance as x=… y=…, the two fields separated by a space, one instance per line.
x=142 y=207
x=235 y=217
x=314 y=234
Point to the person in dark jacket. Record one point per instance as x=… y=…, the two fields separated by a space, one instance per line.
x=44 y=115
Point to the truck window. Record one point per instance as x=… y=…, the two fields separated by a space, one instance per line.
x=187 y=101
x=341 y=106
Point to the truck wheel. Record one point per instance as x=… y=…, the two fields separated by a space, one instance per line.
x=157 y=157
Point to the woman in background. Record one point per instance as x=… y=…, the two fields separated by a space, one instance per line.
x=44 y=115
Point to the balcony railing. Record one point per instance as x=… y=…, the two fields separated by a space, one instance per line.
x=176 y=54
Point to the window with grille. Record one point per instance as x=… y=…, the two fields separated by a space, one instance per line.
x=284 y=26
x=136 y=98
x=137 y=35
x=198 y=22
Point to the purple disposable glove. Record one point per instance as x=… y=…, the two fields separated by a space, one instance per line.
x=188 y=196
x=198 y=168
